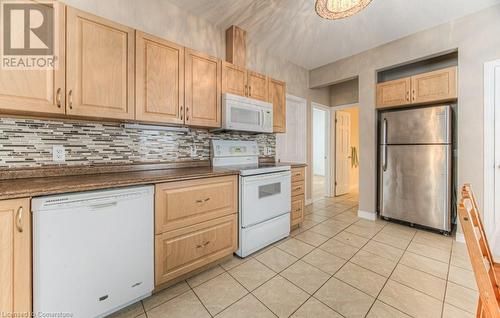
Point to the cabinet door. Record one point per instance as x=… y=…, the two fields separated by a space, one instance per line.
x=277 y=96
x=159 y=80
x=234 y=79
x=15 y=256
x=393 y=93
x=203 y=90
x=100 y=67
x=258 y=86
x=181 y=251
x=37 y=91
x=434 y=86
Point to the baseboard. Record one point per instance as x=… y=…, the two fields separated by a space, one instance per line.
x=367 y=215
x=459 y=237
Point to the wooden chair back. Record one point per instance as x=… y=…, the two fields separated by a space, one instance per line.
x=479 y=252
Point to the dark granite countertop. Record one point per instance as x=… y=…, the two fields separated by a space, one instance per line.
x=31 y=187
x=57 y=181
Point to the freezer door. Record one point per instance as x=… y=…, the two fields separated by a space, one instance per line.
x=430 y=125
x=416 y=184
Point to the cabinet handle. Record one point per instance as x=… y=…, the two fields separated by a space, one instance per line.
x=70 y=99
x=246 y=90
x=58 y=97
x=182 y=112
x=203 y=200
x=187 y=113
x=414 y=96
x=19 y=219
x=203 y=244
x=249 y=90
x=407 y=96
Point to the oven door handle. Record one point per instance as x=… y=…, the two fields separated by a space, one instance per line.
x=271 y=176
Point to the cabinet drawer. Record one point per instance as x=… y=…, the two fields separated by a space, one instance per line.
x=297 y=210
x=184 y=203
x=297 y=188
x=181 y=251
x=298 y=174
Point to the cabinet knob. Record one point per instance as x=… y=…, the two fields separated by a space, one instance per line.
x=58 y=97
x=19 y=219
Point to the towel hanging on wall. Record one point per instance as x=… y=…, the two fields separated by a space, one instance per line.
x=354 y=157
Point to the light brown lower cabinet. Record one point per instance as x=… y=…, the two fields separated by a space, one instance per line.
x=298 y=196
x=195 y=224
x=181 y=251
x=15 y=257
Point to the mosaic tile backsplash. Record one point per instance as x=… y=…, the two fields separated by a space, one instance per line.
x=28 y=143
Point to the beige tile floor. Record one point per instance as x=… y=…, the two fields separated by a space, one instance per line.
x=336 y=265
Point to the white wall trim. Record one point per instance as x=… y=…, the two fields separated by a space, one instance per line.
x=459 y=237
x=296 y=98
x=489 y=146
x=328 y=147
x=371 y=216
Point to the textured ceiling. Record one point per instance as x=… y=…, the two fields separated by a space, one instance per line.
x=291 y=28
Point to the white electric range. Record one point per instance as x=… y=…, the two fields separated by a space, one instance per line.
x=264 y=194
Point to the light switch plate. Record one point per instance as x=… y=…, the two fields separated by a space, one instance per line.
x=58 y=153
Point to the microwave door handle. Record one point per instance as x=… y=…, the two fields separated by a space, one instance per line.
x=261 y=118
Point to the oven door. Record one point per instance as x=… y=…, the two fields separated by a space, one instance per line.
x=244 y=117
x=264 y=197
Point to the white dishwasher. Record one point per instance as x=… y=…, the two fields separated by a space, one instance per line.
x=92 y=251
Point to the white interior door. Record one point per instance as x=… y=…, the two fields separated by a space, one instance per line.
x=342 y=152
x=292 y=145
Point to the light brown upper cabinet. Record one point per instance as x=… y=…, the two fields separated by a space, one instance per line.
x=37 y=91
x=15 y=257
x=394 y=93
x=159 y=80
x=434 y=86
x=203 y=90
x=258 y=86
x=430 y=87
x=277 y=96
x=234 y=79
x=240 y=81
x=99 y=67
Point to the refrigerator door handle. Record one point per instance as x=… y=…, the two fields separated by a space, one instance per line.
x=384 y=140
x=384 y=158
x=384 y=132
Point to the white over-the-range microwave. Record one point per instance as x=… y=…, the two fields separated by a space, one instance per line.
x=246 y=114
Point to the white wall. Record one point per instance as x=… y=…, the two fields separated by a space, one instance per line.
x=319 y=134
x=476 y=37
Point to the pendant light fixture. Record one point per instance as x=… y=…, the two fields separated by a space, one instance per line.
x=339 y=9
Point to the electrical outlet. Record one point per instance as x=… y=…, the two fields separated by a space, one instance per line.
x=267 y=151
x=58 y=153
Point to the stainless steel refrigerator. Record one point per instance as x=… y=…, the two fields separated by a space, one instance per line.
x=415 y=170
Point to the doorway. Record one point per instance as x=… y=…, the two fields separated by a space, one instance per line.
x=321 y=151
x=347 y=151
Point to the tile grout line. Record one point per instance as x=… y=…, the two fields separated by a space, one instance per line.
x=389 y=277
